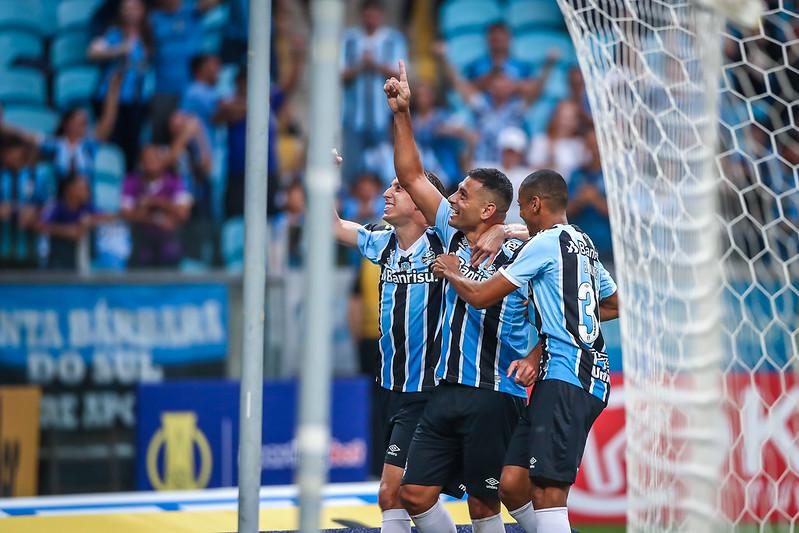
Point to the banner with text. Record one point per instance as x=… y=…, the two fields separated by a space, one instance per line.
x=187 y=434
x=88 y=345
x=762 y=420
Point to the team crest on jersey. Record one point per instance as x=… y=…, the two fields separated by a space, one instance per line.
x=513 y=245
x=428 y=257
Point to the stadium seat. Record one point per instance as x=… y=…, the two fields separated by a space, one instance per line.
x=69 y=49
x=526 y=15
x=212 y=42
x=18 y=43
x=24 y=15
x=459 y=16
x=557 y=86
x=22 y=86
x=76 y=13
x=233 y=244
x=75 y=85
x=464 y=49
x=535 y=46
x=37 y=118
x=537 y=117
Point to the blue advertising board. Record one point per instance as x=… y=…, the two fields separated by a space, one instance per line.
x=88 y=345
x=187 y=433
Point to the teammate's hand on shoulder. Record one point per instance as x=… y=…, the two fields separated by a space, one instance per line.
x=488 y=245
x=446 y=265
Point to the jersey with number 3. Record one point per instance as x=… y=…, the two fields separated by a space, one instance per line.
x=566 y=281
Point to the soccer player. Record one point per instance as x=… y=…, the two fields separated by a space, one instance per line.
x=470 y=417
x=571 y=293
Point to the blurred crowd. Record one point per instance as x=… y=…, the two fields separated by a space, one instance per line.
x=172 y=114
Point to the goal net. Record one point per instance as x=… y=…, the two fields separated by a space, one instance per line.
x=697 y=124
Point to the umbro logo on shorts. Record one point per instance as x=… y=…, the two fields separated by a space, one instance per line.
x=533 y=461
x=491 y=483
x=393 y=449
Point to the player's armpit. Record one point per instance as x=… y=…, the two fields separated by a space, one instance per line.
x=609 y=307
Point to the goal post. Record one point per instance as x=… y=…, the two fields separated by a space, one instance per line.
x=697 y=120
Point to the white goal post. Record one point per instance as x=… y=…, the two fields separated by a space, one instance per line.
x=697 y=119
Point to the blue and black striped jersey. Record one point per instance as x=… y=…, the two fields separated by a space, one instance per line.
x=566 y=281
x=411 y=303
x=478 y=345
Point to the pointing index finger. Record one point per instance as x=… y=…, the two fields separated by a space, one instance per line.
x=403 y=75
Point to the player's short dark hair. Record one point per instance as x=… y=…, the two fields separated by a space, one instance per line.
x=548 y=184
x=432 y=178
x=497 y=184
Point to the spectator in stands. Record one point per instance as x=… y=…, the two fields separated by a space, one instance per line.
x=74 y=146
x=562 y=147
x=578 y=95
x=236 y=116
x=498 y=60
x=512 y=143
x=177 y=37
x=201 y=98
x=369 y=55
x=190 y=159
x=588 y=206
x=23 y=194
x=439 y=137
x=68 y=220
x=125 y=47
x=286 y=241
x=155 y=203
x=498 y=108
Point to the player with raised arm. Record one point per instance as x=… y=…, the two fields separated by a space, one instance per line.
x=570 y=294
x=470 y=417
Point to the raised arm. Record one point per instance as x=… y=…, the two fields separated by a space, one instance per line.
x=479 y=294
x=346 y=231
x=407 y=161
x=108 y=118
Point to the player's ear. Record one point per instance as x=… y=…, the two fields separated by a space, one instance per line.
x=488 y=211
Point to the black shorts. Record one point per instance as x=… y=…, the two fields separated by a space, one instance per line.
x=463 y=429
x=551 y=435
x=401 y=411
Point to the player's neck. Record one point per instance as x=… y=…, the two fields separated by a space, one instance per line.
x=409 y=233
x=472 y=236
x=552 y=219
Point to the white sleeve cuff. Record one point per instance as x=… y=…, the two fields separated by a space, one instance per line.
x=509 y=277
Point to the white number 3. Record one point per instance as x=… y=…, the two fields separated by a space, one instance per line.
x=589 y=324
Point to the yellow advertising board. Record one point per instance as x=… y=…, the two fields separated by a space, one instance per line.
x=19 y=440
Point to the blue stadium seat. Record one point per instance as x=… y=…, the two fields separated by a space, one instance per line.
x=69 y=49
x=526 y=15
x=75 y=86
x=109 y=172
x=212 y=42
x=535 y=46
x=458 y=16
x=22 y=86
x=537 y=117
x=557 y=86
x=76 y=13
x=233 y=244
x=24 y=15
x=37 y=118
x=18 y=43
x=464 y=49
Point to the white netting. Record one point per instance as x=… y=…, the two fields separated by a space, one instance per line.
x=697 y=123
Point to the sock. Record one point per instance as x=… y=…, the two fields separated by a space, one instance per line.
x=525 y=517
x=492 y=524
x=554 y=520
x=434 y=520
x=396 y=521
